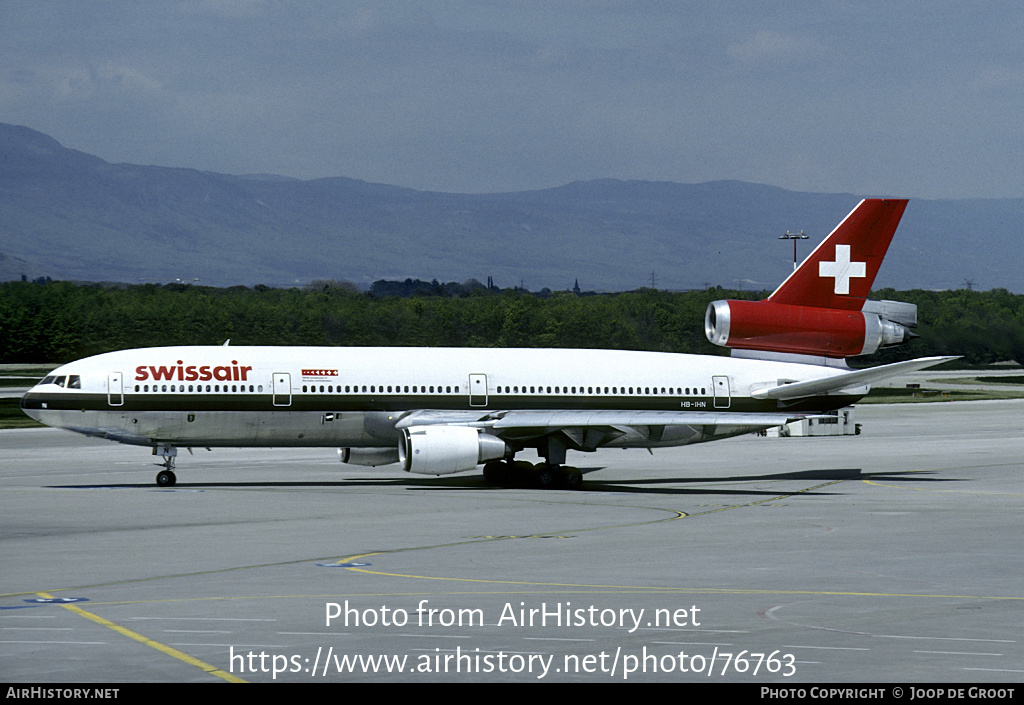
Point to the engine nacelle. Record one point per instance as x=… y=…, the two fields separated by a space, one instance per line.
x=368 y=456
x=806 y=330
x=442 y=450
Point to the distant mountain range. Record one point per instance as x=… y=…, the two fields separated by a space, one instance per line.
x=70 y=215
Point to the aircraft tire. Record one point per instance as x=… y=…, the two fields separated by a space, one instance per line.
x=520 y=473
x=572 y=478
x=497 y=472
x=166 y=478
x=547 y=476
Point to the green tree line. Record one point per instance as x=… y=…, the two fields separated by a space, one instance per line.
x=61 y=321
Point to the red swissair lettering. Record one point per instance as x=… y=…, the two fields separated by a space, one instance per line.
x=193 y=373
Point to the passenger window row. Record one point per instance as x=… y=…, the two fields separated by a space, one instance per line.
x=380 y=389
x=74 y=382
x=615 y=391
x=215 y=388
x=504 y=389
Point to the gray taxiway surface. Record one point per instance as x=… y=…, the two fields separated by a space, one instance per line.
x=893 y=556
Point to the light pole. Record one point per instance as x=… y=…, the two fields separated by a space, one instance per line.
x=794 y=237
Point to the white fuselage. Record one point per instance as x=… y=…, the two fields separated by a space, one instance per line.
x=353 y=397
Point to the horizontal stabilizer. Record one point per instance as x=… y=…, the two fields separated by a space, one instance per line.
x=847 y=380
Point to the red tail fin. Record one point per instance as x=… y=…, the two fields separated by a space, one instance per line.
x=840 y=271
x=822 y=308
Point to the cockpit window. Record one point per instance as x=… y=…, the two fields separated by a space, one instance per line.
x=59 y=381
x=48 y=379
x=74 y=382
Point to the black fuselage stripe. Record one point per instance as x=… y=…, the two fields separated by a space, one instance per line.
x=327 y=403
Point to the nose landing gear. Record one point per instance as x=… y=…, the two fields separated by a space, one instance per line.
x=166 y=477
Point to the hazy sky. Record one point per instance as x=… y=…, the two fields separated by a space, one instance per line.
x=917 y=98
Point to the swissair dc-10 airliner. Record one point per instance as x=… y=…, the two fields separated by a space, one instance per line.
x=438 y=411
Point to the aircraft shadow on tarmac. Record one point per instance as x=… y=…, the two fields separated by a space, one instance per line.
x=659 y=485
x=824 y=475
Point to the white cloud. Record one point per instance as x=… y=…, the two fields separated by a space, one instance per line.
x=106 y=80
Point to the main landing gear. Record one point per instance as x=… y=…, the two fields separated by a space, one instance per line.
x=523 y=474
x=166 y=477
x=552 y=473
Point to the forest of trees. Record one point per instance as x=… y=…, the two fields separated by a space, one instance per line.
x=60 y=321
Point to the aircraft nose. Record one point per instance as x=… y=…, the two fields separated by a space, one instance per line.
x=32 y=405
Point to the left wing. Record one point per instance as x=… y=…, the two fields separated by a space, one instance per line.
x=555 y=419
x=545 y=421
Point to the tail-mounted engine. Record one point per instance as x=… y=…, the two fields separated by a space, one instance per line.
x=807 y=330
x=442 y=450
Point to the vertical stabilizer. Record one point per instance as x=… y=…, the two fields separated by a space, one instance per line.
x=840 y=271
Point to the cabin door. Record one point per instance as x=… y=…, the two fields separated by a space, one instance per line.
x=722 y=396
x=115 y=392
x=282 y=389
x=478 y=390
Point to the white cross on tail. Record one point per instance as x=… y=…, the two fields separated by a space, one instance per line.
x=842 y=269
